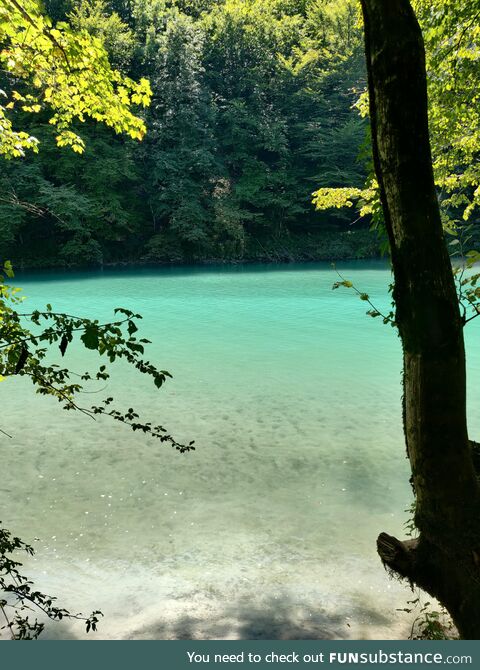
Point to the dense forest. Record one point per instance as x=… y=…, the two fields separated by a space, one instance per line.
x=253 y=108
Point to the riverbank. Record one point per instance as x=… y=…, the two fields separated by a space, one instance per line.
x=329 y=245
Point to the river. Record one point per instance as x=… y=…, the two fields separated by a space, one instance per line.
x=268 y=529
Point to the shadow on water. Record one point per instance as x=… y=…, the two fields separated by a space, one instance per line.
x=186 y=270
x=274 y=619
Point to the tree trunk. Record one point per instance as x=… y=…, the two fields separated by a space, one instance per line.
x=445 y=560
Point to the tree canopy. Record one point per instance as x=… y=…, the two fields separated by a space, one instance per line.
x=251 y=110
x=62 y=71
x=451 y=33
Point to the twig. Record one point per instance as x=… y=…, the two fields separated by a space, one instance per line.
x=364 y=296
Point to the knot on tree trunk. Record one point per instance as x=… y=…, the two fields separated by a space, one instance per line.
x=397 y=556
x=475 y=450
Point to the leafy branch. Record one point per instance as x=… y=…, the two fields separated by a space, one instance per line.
x=20 y=596
x=468 y=288
x=374 y=311
x=22 y=354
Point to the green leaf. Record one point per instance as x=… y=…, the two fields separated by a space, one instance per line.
x=90 y=337
x=22 y=359
x=64 y=345
x=8 y=269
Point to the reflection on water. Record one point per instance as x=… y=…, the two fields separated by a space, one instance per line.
x=268 y=529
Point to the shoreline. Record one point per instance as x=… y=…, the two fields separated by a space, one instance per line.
x=329 y=247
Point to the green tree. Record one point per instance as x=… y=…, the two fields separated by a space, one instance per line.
x=57 y=207
x=451 y=31
x=60 y=207
x=262 y=92
x=280 y=117
x=452 y=43
x=248 y=78
x=443 y=560
x=180 y=165
x=95 y=17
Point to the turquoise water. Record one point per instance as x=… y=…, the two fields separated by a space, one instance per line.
x=266 y=530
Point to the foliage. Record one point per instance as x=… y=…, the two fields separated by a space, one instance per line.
x=451 y=32
x=429 y=624
x=66 y=72
x=179 y=151
x=252 y=106
x=24 y=352
x=20 y=596
x=374 y=312
x=466 y=279
x=95 y=18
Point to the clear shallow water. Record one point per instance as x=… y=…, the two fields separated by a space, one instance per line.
x=268 y=529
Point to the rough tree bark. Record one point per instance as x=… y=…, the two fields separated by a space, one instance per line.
x=445 y=560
